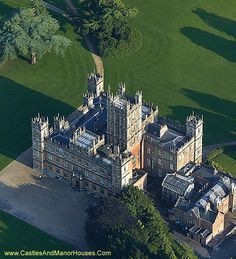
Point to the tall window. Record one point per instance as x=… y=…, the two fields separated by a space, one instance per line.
x=149 y=162
x=101 y=181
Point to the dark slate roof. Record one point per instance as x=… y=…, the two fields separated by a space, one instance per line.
x=61 y=138
x=170 y=139
x=95 y=120
x=206 y=174
x=206 y=215
x=183 y=205
x=177 y=183
x=187 y=207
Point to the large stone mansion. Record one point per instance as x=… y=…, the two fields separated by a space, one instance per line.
x=113 y=140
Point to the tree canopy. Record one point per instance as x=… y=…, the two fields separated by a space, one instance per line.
x=31 y=31
x=131 y=227
x=106 y=22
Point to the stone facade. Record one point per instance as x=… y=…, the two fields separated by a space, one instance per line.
x=101 y=144
x=98 y=147
x=168 y=146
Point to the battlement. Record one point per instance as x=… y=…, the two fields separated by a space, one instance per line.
x=95 y=84
x=194 y=118
x=123 y=101
x=88 y=99
x=39 y=122
x=60 y=124
x=121 y=89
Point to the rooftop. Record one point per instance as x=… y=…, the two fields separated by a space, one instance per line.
x=86 y=140
x=170 y=138
x=177 y=183
x=206 y=215
x=187 y=169
x=214 y=195
x=206 y=174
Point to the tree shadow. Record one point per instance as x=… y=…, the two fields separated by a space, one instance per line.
x=220 y=46
x=61 y=20
x=5 y=9
x=40 y=201
x=220 y=23
x=24 y=58
x=18 y=104
x=84 y=41
x=219 y=115
x=231 y=152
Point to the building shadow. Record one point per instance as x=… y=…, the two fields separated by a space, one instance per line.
x=220 y=46
x=219 y=115
x=40 y=201
x=220 y=23
x=18 y=104
x=231 y=152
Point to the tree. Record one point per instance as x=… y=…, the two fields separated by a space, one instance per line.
x=31 y=32
x=106 y=22
x=131 y=227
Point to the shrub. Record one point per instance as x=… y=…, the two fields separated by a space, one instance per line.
x=107 y=24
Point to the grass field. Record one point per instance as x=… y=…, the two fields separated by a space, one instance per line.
x=227 y=160
x=187 y=61
x=54 y=85
x=16 y=235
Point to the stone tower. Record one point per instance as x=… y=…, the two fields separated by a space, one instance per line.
x=194 y=128
x=40 y=130
x=60 y=124
x=232 y=197
x=88 y=100
x=124 y=122
x=95 y=84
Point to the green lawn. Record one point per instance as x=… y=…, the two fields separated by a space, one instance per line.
x=187 y=61
x=54 y=85
x=227 y=160
x=16 y=235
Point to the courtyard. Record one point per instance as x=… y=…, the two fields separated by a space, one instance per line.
x=44 y=202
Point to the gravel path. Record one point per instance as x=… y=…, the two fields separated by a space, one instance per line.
x=44 y=202
x=208 y=149
x=97 y=59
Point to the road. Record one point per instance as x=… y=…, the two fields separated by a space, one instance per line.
x=208 y=149
x=227 y=249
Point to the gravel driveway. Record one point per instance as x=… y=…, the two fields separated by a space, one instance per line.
x=44 y=202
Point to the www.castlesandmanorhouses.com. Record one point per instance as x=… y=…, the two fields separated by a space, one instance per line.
x=24 y=253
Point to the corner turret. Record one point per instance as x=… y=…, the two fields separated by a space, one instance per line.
x=40 y=130
x=95 y=84
x=194 y=128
